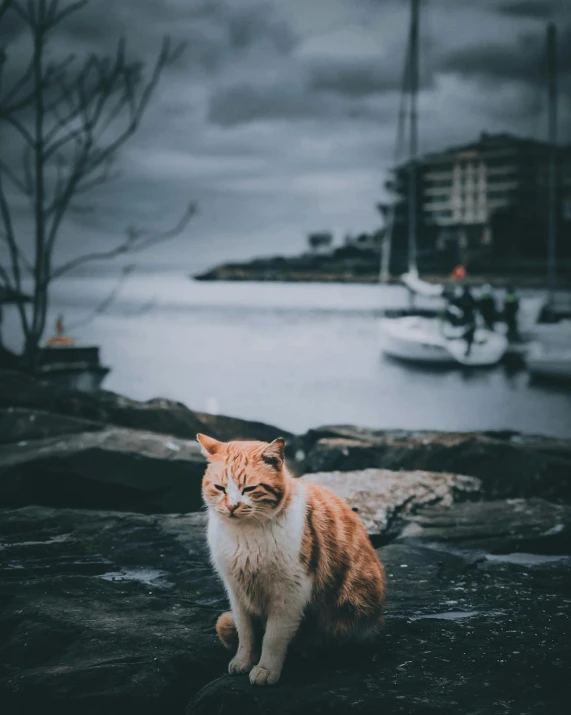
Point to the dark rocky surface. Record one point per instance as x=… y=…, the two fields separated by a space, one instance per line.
x=509 y=464
x=105 y=612
x=114 y=612
x=22 y=424
x=387 y=500
x=157 y=415
x=110 y=469
x=498 y=527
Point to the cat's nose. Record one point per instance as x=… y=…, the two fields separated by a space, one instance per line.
x=232 y=508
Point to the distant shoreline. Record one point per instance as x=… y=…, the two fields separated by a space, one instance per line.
x=257 y=274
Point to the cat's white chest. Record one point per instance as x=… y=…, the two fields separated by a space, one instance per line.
x=259 y=562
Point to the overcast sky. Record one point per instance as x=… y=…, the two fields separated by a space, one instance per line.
x=280 y=117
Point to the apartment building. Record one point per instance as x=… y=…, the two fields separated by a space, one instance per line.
x=490 y=193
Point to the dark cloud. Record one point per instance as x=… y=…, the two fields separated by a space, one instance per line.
x=522 y=61
x=540 y=9
x=354 y=78
x=498 y=62
x=284 y=113
x=360 y=77
x=244 y=103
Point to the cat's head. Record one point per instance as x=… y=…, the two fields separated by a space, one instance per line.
x=244 y=480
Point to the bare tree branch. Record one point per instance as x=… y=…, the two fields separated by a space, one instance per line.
x=20 y=128
x=81 y=115
x=109 y=299
x=14 y=252
x=136 y=241
x=16 y=181
x=68 y=11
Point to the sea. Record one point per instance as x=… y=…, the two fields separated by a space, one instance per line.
x=291 y=354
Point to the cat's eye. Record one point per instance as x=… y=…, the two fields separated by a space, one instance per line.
x=248 y=489
x=219 y=487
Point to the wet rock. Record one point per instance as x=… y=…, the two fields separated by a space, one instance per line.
x=156 y=415
x=105 y=612
x=383 y=498
x=511 y=525
x=17 y=424
x=227 y=429
x=111 y=469
x=114 y=613
x=509 y=464
x=459 y=638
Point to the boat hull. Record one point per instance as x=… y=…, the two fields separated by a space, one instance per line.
x=421 y=340
x=554 y=363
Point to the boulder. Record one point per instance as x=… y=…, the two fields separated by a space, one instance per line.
x=509 y=464
x=157 y=415
x=105 y=612
x=459 y=637
x=110 y=469
x=114 y=612
x=17 y=424
x=498 y=527
x=383 y=498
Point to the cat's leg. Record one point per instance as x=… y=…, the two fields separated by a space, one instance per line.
x=281 y=626
x=246 y=655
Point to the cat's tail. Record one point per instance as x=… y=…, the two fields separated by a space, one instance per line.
x=226 y=629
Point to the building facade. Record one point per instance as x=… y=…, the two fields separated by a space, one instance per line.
x=488 y=196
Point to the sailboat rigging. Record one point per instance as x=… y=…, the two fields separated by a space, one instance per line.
x=414 y=337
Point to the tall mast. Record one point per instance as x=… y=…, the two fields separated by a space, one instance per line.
x=552 y=176
x=413 y=137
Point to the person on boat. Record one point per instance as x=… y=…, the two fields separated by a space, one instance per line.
x=487 y=307
x=459 y=272
x=453 y=314
x=511 y=309
x=467 y=305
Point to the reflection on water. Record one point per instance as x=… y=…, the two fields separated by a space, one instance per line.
x=297 y=355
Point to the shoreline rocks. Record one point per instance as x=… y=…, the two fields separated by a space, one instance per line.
x=383 y=498
x=108 y=599
x=18 y=390
x=508 y=463
x=114 y=612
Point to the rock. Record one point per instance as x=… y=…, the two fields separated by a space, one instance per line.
x=382 y=498
x=111 y=469
x=114 y=613
x=17 y=424
x=513 y=525
x=459 y=637
x=105 y=612
x=156 y=415
x=228 y=428
x=509 y=464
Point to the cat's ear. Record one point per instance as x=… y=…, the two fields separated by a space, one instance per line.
x=273 y=454
x=208 y=445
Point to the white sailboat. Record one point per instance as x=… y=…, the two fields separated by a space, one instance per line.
x=416 y=337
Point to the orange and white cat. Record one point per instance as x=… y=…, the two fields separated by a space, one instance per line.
x=290 y=554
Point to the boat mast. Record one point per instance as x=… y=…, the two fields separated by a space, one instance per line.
x=413 y=136
x=552 y=172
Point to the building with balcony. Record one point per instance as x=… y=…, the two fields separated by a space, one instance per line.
x=488 y=196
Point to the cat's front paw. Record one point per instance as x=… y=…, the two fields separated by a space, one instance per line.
x=241 y=663
x=264 y=676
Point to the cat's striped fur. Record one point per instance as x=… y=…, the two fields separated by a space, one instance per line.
x=293 y=557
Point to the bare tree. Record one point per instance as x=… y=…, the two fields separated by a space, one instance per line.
x=71 y=119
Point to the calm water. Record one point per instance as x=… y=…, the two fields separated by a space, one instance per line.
x=296 y=355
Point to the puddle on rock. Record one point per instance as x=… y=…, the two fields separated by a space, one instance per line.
x=148 y=577
x=524 y=559
x=447 y=615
